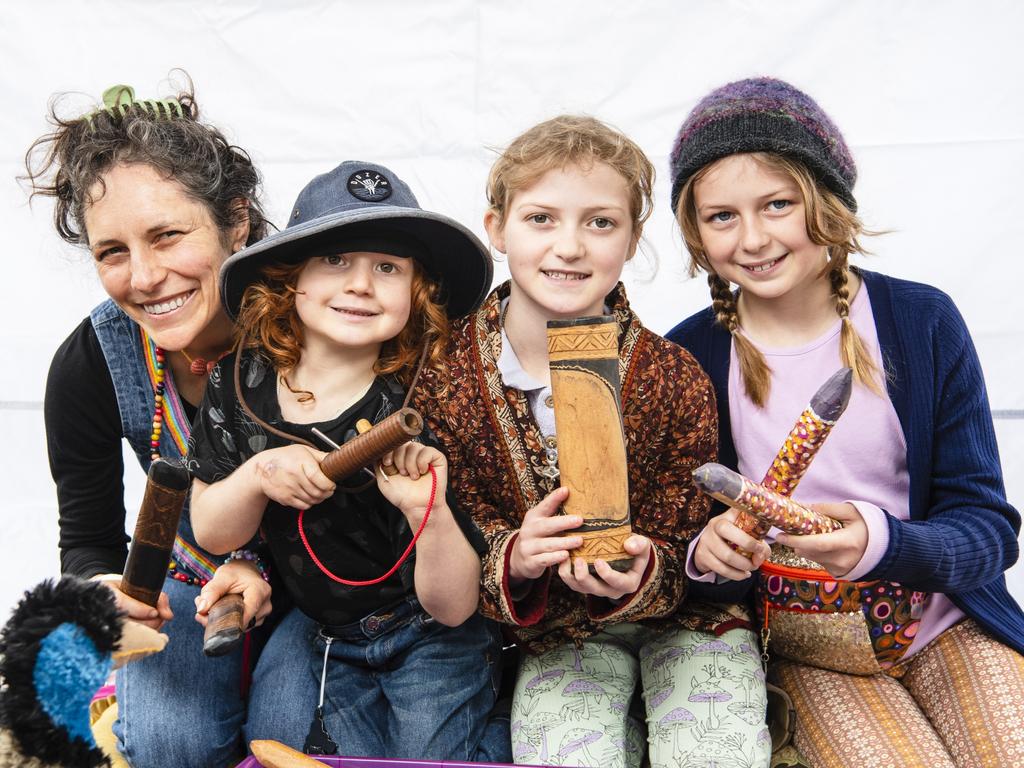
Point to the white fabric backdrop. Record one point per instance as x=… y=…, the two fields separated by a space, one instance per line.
x=928 y=94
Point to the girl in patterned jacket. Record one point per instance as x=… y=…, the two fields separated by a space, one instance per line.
x=567 y=203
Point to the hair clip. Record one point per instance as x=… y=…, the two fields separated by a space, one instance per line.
x=119 y=100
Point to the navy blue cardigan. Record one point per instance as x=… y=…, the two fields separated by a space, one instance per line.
x=935 y=383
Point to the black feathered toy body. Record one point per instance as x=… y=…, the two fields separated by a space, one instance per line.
x=55 y=652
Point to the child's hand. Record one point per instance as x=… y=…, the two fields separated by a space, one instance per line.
x=237 y=577
x=837 y=551
x=713 y=552
x=409 y=490
x=539 y=545
x=611 y=583
x=292 y=476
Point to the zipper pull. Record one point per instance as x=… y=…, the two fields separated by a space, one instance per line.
x=318 y=740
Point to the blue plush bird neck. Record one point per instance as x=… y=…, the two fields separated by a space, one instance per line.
x=68 y=671
x=55 y=651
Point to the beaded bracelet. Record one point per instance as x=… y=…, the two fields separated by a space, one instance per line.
x=252 y=557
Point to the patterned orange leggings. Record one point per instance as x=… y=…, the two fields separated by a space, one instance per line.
x=959 y=703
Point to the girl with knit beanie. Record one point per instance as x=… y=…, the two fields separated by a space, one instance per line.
x=928 y=670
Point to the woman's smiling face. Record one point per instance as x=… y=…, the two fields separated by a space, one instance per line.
x=158 y=253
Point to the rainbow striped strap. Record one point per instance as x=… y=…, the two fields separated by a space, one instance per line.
x=185 y=554
x=175 y=421
x=193 y=559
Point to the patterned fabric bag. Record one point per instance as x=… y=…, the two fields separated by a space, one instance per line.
x=857 y=627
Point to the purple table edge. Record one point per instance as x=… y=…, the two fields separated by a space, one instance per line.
x=378 y=762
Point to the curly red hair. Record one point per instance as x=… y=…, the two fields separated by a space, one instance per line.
x=267 y=319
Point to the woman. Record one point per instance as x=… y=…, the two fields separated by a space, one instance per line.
x=160 y=199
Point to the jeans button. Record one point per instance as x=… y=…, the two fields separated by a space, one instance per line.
x=372 y=624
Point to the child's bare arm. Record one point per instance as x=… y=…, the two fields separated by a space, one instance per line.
x=227 y=514
x=447 y=572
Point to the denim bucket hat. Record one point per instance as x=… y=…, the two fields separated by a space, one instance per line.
x=360 y=206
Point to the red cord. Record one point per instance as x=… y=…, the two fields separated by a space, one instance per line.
x=395 y=567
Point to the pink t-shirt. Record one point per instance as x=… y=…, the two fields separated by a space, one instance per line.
x=864 y=460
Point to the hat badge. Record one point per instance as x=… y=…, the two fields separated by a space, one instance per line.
x=369 y=186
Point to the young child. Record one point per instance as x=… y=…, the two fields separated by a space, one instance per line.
x=333 y=314
x=762 y=185
x=568 y=200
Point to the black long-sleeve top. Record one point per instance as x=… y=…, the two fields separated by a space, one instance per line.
x=83 y=439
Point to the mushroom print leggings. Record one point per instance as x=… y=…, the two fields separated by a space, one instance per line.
x=703 y=701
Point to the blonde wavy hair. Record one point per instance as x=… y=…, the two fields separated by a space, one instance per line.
x=571 y=140
x=267 y=319
x=830 y=224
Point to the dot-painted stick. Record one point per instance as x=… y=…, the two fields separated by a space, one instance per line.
x=801 y=446
x=774 y=509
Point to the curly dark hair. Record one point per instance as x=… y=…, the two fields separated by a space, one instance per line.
x=67 y=163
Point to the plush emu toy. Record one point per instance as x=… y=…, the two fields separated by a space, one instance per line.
x=56 y=650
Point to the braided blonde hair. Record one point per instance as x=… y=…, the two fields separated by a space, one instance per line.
x=830 y=223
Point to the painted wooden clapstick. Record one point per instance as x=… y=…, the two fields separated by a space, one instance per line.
x=802 y=445
x=583 y=355
x=157 y=525
x=737 y=491
x=369 y=447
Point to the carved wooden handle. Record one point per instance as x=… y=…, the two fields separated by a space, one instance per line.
x=166 y=489
x=369 y=447
x=224 y=628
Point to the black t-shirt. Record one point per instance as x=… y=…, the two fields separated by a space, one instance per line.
x=356 y=535
x=83 y=442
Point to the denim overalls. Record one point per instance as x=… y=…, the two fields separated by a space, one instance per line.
x=177 y=707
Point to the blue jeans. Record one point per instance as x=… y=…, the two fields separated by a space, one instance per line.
x=179 y=707
x=398 y=684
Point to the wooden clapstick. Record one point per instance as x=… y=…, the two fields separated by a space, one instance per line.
x=224 y=628
x=583 y=356
x=362 y=427
x=372 y=444
x=157 y=525
x=274 y=754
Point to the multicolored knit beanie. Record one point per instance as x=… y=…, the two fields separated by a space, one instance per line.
x=762 y=114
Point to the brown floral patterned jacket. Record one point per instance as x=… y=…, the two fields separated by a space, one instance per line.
x=495 y=454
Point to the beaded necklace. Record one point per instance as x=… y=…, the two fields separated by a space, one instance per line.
x=200 y=366
x=158 y=405
x=169 y=415
x=168 y=411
